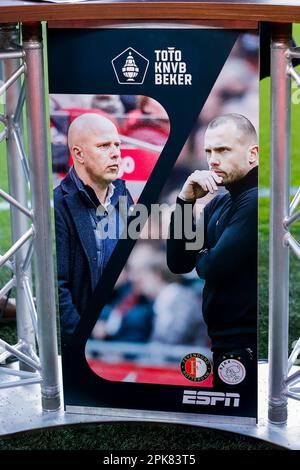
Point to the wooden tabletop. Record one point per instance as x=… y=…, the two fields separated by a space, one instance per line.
x=283 y=11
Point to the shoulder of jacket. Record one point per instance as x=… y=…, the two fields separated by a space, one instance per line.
x=57 y=193
x=250 y=195
x=217 y=200
x=58 y=199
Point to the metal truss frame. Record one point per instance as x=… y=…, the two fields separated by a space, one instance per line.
x=282 y=380
x=30 y=223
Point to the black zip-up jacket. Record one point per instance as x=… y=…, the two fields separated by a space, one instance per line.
x=227 y=262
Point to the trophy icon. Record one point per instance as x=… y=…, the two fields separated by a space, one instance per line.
x=130 y=69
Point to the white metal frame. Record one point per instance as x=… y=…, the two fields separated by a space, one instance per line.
x=282 y=383
x=30 y=227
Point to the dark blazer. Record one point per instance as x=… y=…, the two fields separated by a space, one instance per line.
x=76 y=251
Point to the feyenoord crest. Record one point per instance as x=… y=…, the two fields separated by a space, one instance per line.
x=232 y=371
x=195 y=367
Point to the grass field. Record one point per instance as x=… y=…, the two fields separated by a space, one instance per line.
x=145 y=436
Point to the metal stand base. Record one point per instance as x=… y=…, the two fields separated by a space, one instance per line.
x=21 y=411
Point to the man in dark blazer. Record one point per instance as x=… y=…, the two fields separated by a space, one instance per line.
x=86 y=201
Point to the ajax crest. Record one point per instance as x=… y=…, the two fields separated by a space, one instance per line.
x=232 y=371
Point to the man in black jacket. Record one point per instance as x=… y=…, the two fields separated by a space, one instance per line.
x=228 y=258
x=87 y=203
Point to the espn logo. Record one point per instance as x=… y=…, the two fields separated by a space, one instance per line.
x=192 y=397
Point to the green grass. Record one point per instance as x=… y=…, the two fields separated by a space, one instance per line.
x=294 y=316
x=264 y=215
x=159 y=437
x=131 y=436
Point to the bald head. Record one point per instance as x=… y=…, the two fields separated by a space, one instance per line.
x=85 y=125
x=94 y=144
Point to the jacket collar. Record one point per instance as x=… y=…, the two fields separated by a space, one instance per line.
x=249 y=181
x=88 y=194
x=70 y=185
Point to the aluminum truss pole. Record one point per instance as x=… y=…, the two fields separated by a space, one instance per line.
x=9 y=40
x=279 y=251
x=37 y=138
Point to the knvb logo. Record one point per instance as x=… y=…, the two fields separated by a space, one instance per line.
x=130 y=67
x=192 y=397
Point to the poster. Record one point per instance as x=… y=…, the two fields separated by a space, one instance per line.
x=155 y=162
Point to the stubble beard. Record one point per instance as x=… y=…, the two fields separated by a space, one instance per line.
x=233 y=177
